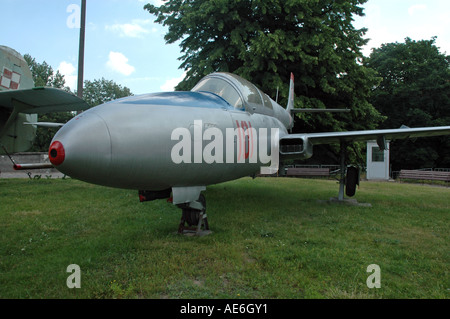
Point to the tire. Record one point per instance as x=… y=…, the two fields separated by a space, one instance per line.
x=193 y=215
x=351 y=181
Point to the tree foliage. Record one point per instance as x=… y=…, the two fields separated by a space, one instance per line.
x=95 y=92
x=415 y=91
x=101 y=91
x=43 y=74
x=265 y=40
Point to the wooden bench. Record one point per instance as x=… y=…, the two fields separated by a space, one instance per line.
x=291 y=171
x=424 y=175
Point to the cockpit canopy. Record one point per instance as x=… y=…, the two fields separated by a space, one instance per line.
x=238 y=92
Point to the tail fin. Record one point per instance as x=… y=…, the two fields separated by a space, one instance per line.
x=290 y=104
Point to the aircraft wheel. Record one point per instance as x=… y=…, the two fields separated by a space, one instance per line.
x=351 y=181
x=193 y=215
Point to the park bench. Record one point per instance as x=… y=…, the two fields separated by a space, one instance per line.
x=424 y=175
x=307 y=171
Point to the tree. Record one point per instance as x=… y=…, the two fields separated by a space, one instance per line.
x=95 y=92
x=43 y=74
x=101 y=91
x=415 y=91
x=265 y=40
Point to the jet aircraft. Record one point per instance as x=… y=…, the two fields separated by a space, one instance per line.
x=173 y=144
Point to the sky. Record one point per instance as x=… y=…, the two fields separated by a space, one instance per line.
x=124 y=44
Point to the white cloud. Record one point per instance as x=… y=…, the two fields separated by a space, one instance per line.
x=69 y=71
x=170 y=84
x=378 y=33
x=119 y=63
x=416 y=8
x=135 y=29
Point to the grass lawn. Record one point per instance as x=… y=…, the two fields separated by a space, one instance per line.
x=271 y=238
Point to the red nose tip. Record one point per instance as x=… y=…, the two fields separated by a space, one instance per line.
x=56 y=153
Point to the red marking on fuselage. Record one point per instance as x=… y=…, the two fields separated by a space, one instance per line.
x=239 y=138
x=246 y=145
x=251 y=138
x=245 y=129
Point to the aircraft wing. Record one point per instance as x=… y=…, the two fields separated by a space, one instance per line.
x=301 y=145
x=41 y=100
x=390 y=134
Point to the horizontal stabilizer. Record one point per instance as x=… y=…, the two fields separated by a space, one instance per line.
x=320 y=110
x=41 y=100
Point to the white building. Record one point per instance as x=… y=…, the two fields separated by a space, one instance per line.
x=377 y=161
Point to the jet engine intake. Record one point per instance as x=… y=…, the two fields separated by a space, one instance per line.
x=295 y=146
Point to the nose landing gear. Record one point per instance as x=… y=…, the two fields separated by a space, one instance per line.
x=192 y=202
x=193 y=219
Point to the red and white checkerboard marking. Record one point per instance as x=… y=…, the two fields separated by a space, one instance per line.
x=9 y=79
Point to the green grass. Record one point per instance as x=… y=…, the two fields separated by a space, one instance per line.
x=271 y=239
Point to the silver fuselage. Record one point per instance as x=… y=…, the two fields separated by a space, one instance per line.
x=129 y=143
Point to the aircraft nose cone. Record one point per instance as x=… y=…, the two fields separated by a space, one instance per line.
x=82 y=148
x=56 y=153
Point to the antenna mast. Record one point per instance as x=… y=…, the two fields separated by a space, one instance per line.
x=81 y=49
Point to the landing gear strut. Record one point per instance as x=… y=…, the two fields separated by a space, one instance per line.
x=192 y=203
x=193 y=219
